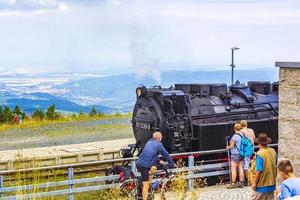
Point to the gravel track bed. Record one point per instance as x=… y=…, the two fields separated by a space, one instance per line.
x=66 y=133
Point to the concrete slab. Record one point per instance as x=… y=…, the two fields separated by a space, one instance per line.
x=62 y=154
x=288 y=64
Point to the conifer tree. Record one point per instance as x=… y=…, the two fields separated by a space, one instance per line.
x=93 y=112
x=50 y=114
x=2 y=117
x=8 y=114
x=17 y=110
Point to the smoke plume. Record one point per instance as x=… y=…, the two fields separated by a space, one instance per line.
x=143 y=63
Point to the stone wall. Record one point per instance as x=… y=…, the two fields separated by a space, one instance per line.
x=289 y=113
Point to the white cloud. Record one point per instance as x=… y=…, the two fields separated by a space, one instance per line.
x=31 y=7
x=99 y=33
x=63 y=7
x=212 y=37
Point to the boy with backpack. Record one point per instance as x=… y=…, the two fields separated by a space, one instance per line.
x=236 y=158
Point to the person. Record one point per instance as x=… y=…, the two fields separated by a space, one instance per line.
x=148 y=158
x=236 y=158
x=20 y=118
x=263 y=170
x=16 y=119
x=249 y=133
x=290 y=186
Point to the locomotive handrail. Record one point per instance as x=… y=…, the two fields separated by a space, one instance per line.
x=272 y=107
x=230 y=113
x=245 y=104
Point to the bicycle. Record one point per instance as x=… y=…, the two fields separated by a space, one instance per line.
x=124 y=173
x=161 y=183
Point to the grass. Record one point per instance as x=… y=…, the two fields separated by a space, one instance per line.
x=38 y=177
x=68 y=131
x=31 y=123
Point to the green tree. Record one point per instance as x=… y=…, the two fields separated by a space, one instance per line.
x=17 y=110
x=50 y=113
x=2 y=117
x=8 y=114
x=38 y=114
x=93 y=112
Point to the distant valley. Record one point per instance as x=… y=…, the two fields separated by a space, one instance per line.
x=73 y=92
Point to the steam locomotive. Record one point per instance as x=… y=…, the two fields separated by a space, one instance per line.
x=196 y=117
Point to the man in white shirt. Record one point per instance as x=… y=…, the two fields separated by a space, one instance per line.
x=249 y=133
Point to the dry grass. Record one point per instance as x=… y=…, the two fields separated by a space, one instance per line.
x=46 y=133
x=31 y=123
x=37 y=177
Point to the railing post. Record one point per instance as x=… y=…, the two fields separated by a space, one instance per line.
x=71 y=185
x=191 y=163
x=133 y=167
x=1 y=185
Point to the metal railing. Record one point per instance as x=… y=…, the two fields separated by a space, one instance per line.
x=193 y=172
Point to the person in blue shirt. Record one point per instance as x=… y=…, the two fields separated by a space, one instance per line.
x=148 y=158
x=290 y=185
x=236 y=159
x=263 y=170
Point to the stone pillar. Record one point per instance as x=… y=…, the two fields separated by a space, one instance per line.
x=289 y=112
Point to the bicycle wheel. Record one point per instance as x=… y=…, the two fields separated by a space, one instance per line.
x=167 y=186
x=129 y=188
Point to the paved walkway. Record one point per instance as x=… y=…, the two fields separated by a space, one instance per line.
x=222 y=193
x=214 y=193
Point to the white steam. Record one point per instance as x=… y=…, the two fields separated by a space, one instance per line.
x=143 y=63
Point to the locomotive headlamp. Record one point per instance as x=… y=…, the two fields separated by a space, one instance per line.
x=138 y=92
x=228 y=108
x=141 y=91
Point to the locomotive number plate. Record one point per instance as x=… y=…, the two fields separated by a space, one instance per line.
x=143 y=126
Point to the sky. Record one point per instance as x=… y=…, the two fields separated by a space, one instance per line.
x=146 y=35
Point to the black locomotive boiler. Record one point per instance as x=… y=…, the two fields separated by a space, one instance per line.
x=195 y=117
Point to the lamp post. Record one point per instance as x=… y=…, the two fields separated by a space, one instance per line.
x=232 y=62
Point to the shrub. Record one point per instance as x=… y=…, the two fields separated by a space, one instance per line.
x=38 y=115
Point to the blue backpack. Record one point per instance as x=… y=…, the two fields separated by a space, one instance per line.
x=246 y=148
